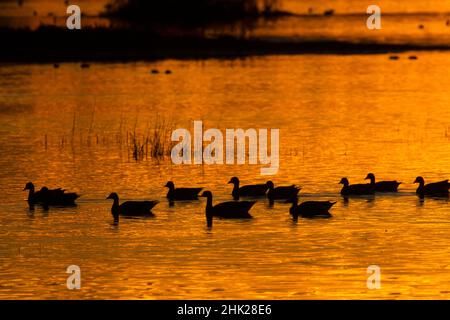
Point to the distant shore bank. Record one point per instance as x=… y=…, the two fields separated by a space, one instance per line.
x=104 y=45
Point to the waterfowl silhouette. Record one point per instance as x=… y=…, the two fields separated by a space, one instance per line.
x=438 y=189
x=355 y=189
x=255 y=190
x=310 y=209
x=49 y=197
x=131 y=208
x=181 y=193
x=382 y=186
x=281 y=193
x=226 y=210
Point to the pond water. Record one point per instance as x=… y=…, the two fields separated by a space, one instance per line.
x=338 y=116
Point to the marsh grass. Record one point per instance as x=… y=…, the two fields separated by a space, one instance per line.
x=140 y=142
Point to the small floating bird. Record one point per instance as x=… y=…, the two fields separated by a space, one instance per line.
x=255 y=190
x=382 y=186
x=154 y=71
x=439 y=189
x=329 y=12
x=85 y=65
x=310 y=209
x=226 y=210
x=175 y=194
x=394 y=57
x=355 y=189
x=281 y=193
x=50 y=197
x=131 y=208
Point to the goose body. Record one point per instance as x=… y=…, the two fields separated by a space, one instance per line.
x=356 y=189
x=226 y=210
x=175 y=194
x=382 y=186
x=131 y=208
x=440 y=188
x=255 y=190
x=311 y=209
x=282 y=192
x=46 y=196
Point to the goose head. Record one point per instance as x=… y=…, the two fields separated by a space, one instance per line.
x=113 y=196
x=371 y=177
x=234 y=180
x=170 y=185
x=344 y=181
x=419 y=180
x=270 y=185
x=206 y=194
x=29 y=186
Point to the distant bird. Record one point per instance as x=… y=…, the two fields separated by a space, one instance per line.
x=168 y=72
x=175 y=194
x=131 y=208
x=282 y=192
x=328 y=12
x=255 y=190
x=355 y=189
x=412 y=58
x=85 y=65
x=310 y=209
x=382 y=186
x=394 y=57
x=50 y=197
x=439 y=189
x=226 y=210
x=154 y=71
x=421 y=26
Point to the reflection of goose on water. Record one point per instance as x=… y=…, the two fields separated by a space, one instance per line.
x=226 y=210
x=181 y=193
x=432 y=189
x=50 y=197
x=310 y=209
x=131 y=208
x=355 y=189
x=282 y=192
x=255 y=190
x=382 y=186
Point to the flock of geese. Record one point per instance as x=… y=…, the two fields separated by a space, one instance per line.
x=238 y=209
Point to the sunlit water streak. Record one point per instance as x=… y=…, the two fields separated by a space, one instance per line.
x=338 y=116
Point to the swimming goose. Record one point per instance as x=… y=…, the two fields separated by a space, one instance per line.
x=355 y=189
x=432 y=189
x=131 y=208
x=48 y=196
x=226 y=210
x=281 y=193
x=310 y=209
x=255 y=190
x=181 y=193
x=382 y=186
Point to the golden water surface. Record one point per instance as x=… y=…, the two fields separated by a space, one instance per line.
x=338 y=116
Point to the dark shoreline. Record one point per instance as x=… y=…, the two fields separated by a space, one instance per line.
x=101 y=45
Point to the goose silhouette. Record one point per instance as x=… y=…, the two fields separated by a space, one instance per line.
x=282 y=192
x=255 y=190
x=355 y=189
x=382 y=186
x=437 y=189
x=175 y=194
x=310 y=209
x=50 y=197
x=226 y=210
x=131 y=208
